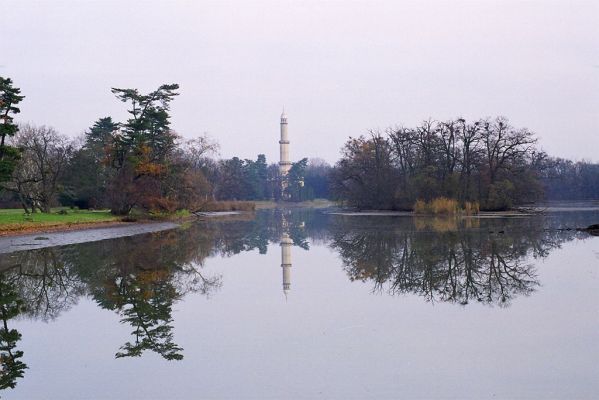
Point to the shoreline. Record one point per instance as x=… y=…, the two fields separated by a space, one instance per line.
x=383 y=213
x=92 y=233
x=62 y=227
x=57 y=227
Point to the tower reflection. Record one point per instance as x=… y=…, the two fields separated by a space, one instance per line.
x=292 y=233
x=286 y=244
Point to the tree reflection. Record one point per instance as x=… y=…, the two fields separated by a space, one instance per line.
x=444 y=260
x=45 y=280
x=141 y=278
x=144 y=301
x=11 y=366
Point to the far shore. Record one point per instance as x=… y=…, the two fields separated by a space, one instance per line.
x=389 y=213
x=86 y=220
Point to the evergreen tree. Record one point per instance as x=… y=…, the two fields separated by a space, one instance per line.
x=9 y=98
x=140 y=150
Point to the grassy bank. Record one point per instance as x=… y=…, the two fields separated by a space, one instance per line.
x=15 y=220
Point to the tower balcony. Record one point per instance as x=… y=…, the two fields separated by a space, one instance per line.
x=283 y=141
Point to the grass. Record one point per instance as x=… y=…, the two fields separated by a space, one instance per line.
x=17 y=220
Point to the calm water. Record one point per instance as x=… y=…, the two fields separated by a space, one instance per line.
x=300 y=304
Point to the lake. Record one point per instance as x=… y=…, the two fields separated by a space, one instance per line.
x=298 y=303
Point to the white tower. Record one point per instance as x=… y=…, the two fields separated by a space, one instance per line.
x=286 y=244
x=284 y=164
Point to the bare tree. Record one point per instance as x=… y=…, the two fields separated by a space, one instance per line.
x=469 y=136
x=199 y=150
x=44 y=156
x=505 y=145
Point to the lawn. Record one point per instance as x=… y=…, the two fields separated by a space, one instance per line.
x=17 y=220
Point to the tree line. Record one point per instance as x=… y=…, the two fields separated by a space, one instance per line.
x=486 y=161
x=139 y=163
x=143 y=163
x=568 y=180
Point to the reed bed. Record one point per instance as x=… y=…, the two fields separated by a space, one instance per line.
x=445 y=206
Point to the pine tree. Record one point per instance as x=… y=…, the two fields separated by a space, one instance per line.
x=9 y=98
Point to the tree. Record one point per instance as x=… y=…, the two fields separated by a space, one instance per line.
x=365 y=177
x=9 y=98
x=198 y=151
x=88 y=175
x=255 y=175
x=487 y=161
x=295 y=189
x=139 y=151
x=469 y=137
x=317 y=178
x=44 y=156
x=149 y=125
x=506 y=152
x=232 y=185
x=274 y=182
x=567 y=180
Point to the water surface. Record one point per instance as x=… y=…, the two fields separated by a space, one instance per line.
x=300 y=304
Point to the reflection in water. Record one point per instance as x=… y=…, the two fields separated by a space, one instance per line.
x=11 y=367
x=291 y=226
x=286 y=244
x=448 y=260
x=140 y=278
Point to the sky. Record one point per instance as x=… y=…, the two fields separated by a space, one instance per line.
x=339 y=68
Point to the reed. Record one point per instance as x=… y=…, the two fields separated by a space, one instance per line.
x=471 y=207
x=445 y=206
x=420 y=207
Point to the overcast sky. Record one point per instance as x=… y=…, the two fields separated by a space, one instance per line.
x=339 y=68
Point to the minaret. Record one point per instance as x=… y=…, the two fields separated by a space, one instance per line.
x=286 y=244
x=284 y=164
